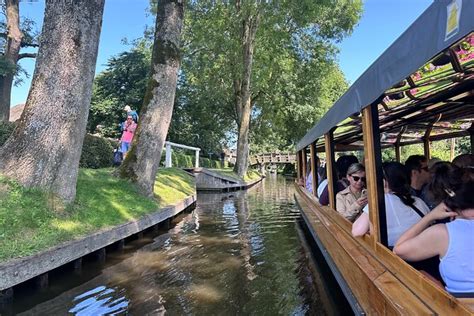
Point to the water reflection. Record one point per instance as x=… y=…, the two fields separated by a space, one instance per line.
x=236 y=253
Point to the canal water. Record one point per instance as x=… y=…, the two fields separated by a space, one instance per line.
x=238 y=253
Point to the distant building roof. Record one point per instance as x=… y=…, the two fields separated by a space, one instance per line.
x=15 y=112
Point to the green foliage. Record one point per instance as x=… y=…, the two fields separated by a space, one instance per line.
x=32 y=221
x=6 y=67
x=6 y=129
x=439 y=149
x=294 y=76
x=122 y=83
x=97 y=152
x=30 y=39
x=180 y=159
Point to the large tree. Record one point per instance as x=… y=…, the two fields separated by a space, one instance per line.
x=45 y=148
x=249 y=48
x=141 y=164
x=15 y=35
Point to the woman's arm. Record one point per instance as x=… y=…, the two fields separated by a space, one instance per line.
x=419 y=243
x=361 y=225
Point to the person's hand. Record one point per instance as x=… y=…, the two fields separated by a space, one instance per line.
x=362 y=201
x=441 y=212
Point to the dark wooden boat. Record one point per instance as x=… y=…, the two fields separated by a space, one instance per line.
x=420 y=90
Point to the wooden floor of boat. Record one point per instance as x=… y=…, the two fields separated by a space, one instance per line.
x=381 y=282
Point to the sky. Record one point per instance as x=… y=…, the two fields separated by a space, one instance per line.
x=382 y=22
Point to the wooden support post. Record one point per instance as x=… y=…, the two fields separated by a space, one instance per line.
x=304 y=164
x=42 y=281
x=168 y=161
x=197 y=159
x=330 y=168
x=373 y=169
x=100 y=255
x=426 y=137
x=314 y=168
x=298 y=165
x=427 y=148
x=77 y=265
x=452 y=152
x=398 y=153
x=471 y=137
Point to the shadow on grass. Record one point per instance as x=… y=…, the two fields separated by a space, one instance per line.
x=32 y=220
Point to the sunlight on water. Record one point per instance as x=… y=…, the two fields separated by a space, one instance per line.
x=236 y=253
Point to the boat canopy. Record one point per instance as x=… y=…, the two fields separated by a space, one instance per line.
x=424 y=80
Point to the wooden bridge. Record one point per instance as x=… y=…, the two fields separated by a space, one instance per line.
x=272 y=158
x=267 y=158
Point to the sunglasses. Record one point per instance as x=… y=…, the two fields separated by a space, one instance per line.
x=357 y=179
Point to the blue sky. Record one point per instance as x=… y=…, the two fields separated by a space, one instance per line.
x=382 y=22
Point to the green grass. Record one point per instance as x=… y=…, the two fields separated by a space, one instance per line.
x=32 y=220
x=250 y=176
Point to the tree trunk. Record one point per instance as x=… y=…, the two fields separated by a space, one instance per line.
x=12 y=50
x=45 y=148
x=243 y=93
x=141 y=164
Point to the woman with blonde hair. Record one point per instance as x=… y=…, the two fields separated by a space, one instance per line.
x=351 y=200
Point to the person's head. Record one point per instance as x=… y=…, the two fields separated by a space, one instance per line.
x=343 y=163
x=127 y=108
x=418 y=171
x=396 y=177
x=444 y=176
x=129 y=118
x=432 y=162
x=461 y=198
x=464 y=161
x=356 y=176
x=322 y=173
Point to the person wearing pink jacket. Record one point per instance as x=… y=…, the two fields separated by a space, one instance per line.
x=128 y=128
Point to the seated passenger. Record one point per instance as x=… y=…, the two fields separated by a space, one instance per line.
x=443 y=177
x=453 y=241
x=342 y=164
x=419 y=175
x=350 y=201
x=401 y=208
x=464 y=161
x=324 y=181
x=309 y=181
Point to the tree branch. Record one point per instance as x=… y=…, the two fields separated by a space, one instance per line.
x=26 y=55
x=26 y=44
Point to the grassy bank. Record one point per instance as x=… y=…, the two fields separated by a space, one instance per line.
x=251 y=175
x=31 y=220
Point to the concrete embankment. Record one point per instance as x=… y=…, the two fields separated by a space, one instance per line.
x=210 y=180
x=16 y=271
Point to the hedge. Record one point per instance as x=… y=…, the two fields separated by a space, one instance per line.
x=181 y=160
x=97 y=152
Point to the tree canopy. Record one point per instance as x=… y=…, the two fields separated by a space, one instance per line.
x=266 y=59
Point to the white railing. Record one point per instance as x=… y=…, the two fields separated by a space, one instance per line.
x=168 y=145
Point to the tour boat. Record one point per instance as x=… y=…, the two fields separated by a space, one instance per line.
x=420 y=90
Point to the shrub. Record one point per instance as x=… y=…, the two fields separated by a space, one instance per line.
x=6 y=130
x=97 y=152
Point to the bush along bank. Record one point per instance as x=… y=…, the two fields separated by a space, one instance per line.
x=97 y=152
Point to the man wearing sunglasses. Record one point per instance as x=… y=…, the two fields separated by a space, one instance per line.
x=417 y=166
